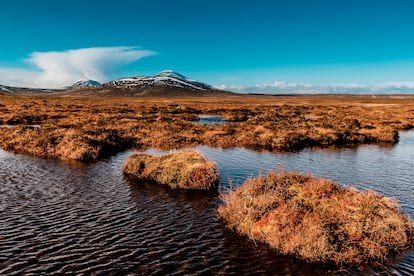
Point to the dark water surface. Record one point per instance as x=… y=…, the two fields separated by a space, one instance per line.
x=59 y=218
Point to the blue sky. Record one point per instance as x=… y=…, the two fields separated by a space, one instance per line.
x=229 y=43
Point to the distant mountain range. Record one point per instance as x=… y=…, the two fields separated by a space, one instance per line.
x=170 y=84
x=4 y=89
x=165 y=83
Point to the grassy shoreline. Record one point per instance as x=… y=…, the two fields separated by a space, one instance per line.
x=87 y=129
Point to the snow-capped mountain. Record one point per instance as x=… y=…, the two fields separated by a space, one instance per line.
x=164 y=78
x=6 y=89
x=164 y=84
x=83 y=84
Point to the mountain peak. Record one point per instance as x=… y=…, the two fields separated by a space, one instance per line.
x=83 y=83
x=171 y=74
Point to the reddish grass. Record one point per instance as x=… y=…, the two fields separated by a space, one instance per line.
x=317 y=220
x=185 y=170
x=91 y=128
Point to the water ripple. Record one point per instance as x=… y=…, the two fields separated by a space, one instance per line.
x=59 y=218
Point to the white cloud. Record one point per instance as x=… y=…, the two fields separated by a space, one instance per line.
x=57 y=69
x=396 y=84
x=279 y=87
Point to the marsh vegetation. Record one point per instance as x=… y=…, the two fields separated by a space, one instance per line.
x=88 y=129
x=317 y=220
x=184 y=170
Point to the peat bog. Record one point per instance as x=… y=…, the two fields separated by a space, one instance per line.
x=88 y=129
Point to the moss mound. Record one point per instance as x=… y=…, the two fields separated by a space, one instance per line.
x=317 y=220
x=185 y=169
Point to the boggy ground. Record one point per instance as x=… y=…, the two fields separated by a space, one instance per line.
x=86 y=129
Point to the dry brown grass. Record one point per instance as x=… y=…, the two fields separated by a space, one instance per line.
x=184 y=169
x=317 y=220
x=91 y=128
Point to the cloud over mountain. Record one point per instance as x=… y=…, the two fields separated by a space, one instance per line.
x=57 y=69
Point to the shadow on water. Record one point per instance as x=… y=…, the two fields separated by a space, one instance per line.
x=59 y=218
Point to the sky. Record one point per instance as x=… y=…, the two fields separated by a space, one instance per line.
x=243 y=45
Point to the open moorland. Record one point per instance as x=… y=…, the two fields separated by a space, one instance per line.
x=90 y=128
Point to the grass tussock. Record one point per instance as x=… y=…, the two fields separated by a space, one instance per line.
x=185 y=170
x=65 y=144
x=317 y=220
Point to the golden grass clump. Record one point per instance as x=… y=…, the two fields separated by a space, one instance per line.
x=317 y=220
x=185 y=170
x=66 y=144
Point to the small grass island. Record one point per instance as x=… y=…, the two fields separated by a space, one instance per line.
x=184 y=170
x=317 y=220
